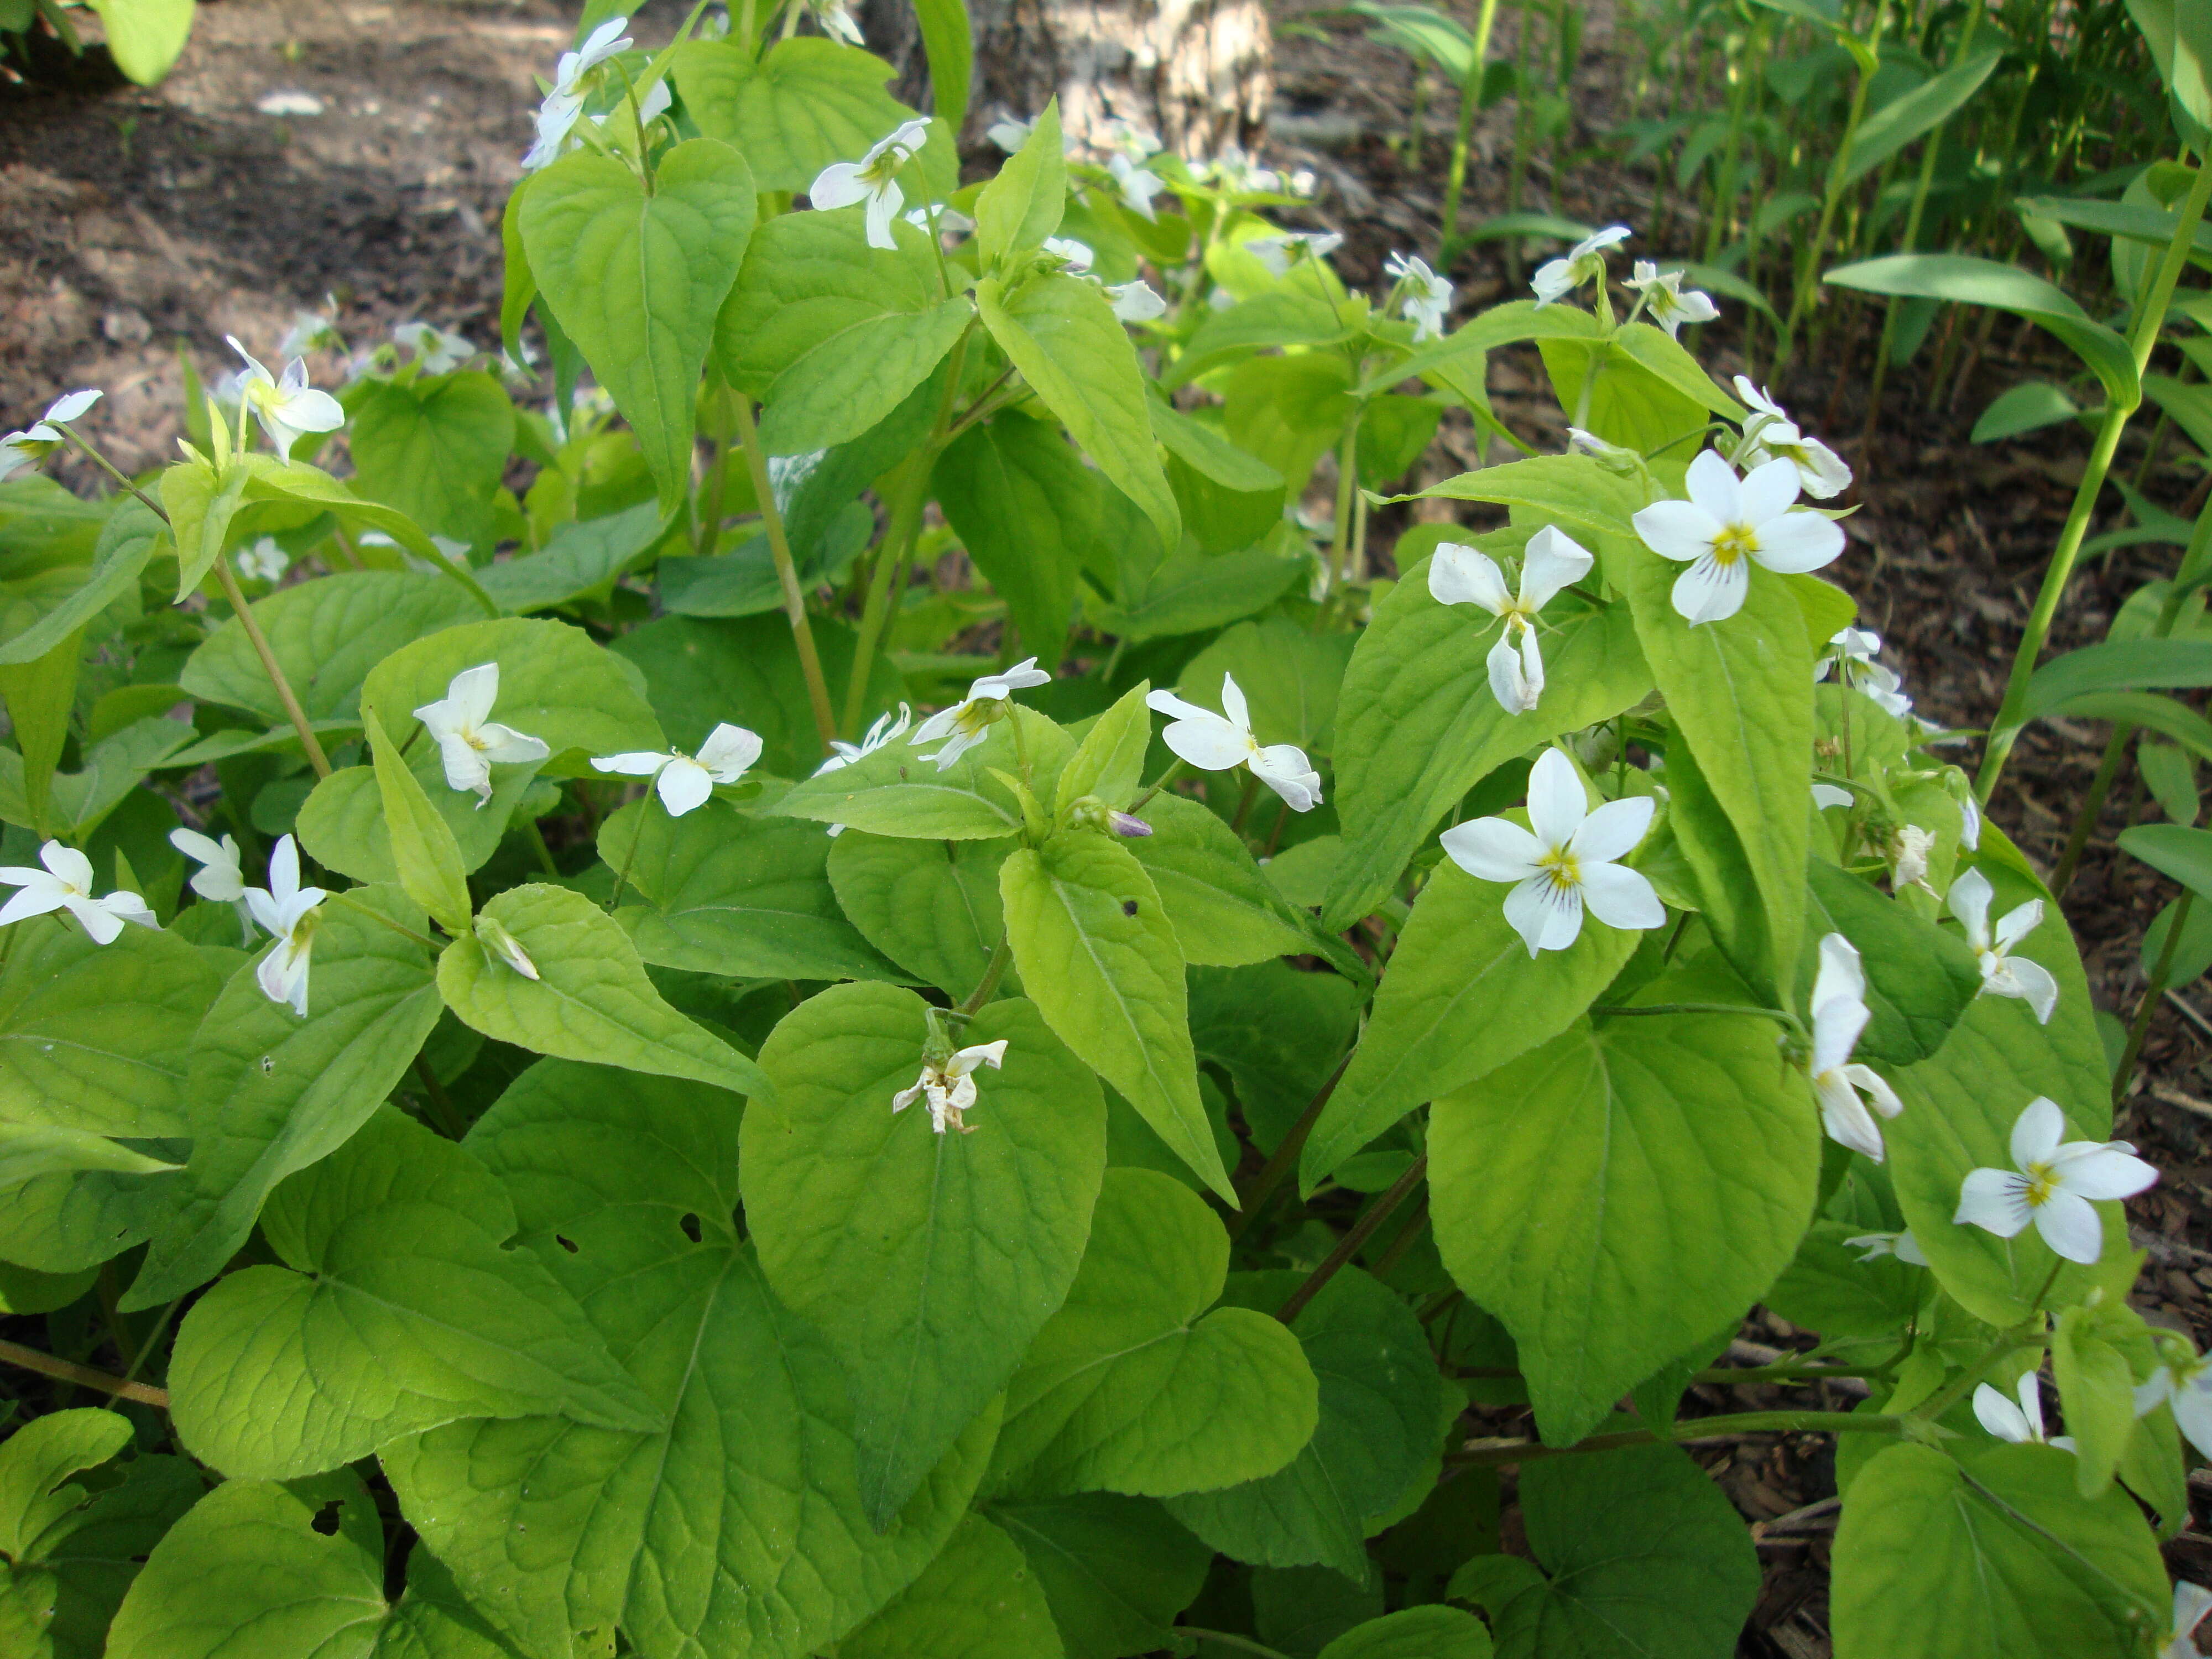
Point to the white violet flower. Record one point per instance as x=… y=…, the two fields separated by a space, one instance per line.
x=310 y=331
x=2022 y=1424
x=287 y=910
x=1279 y=252
x=950 y=1088
x=1851 y=656
x=1075 y=255
x=834 y=20
x=1215 y=742
x=1428 y=296
x=2053 y=1183
x=843 y=754
x=1771 y=432
x=1135 y=302
x=1730 y=524
x=873 y=179
x=1910 y=866
x=219 y=878
x=1565 y=861
x=1668 y=303
x=437 y=350
x=1903 y=1247
x=469 y=741
x=1839 y=1015
x=66 y=884
x=1584 y=261
x=33 y=444
x=684 y=781
x=2190 y=1603
x=2186 y=1384
x=1010 y=135
x=1466 y=575
x=263 y=561
x=969 y=721
x=286 y=408
x=2002 y=974
x=1138 y=185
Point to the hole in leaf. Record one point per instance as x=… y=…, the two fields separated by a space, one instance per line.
x=1128 y=906
x=692 y=1229
x=327 y=1518
x=566 y=1243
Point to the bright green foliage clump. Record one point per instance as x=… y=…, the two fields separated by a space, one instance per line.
x=636 y=1143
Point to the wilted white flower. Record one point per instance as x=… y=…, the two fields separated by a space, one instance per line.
x=1567 y=863
x=2053 y=1184
x=437 y=350
x=1427 y=298
x=1850 y=657
x=2022 y=1424
x=288 y=911
x=873 y=179
x=1466 y=575
x=287 y=408
x=564 y=100
x=1138 y=185
x=950 y=1086
x=1909 y=866
x=1668 y=303
x=66 y=883
x=263 y=561
x=1819 y=468
x=969 y=720
x=1584 y=261
x=834 y=20
x=1279 y=252
x=604 y=42
x=1728 y=525
x=1872 y=1247
x=1839 y=1014
x=1215 y=742
x=1614 y=457
x=469 y=742
x=684 y=781
x=2002 y=974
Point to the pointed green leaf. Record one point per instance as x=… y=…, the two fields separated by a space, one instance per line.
x=1226 y=912
x=127 y=541
x=436 y=449
x=853 y=380
x=35 y=1464
x=1115 y=1571
x=929 y=1260
x=809 y=276
x=635 y=279
x=1109 y=763
x=896 y=790
x=931 y=906
x=1617 y=1194
x=30 y=1151
x=427 y=857
x=1097 y=951
x=1019 y=498
x=1022 y=205
x=976 y=1601
x=802 y=104
x=1424 y=1633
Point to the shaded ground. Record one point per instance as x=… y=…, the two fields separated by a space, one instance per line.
x=141 y=219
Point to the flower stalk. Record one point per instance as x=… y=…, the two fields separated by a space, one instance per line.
x=787 y=574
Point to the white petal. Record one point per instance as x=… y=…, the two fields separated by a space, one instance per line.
x=1821 y=470
x=1876 y=1089
x=942 y=723
x=1233 y=704
x=1756 y=396
x=2037 y=1133
x=1613 y=830
x=2032 y=981
x=2070 y=1225
x=99 y=924
x=509 y=747
x=728 y=751
x=2001 y=1417
x=1492 y=849
x=1554 y=559
x=1768 y=491
x=1532 y=666
x=2018 y=923
x=1528 y=911
x=1680 y=531
x=465 y=770
x=1825 y=795
x=683 y=785
x=883 y=205
x=1995 y=1199
x=2103 y=1172
x=1557 y=801
x=70 y=866
x=965 y=1060
x=961 y=742
x=1621 y=897
x=1466 y=575
x=1844 y=1115
x=284 y=870
x=1714 y=486
x=1969 y=900
x=636 y=763
x=2192 y=1413
x=1207 y=742
x=1509 y=678
x=1797 y=542
x=130 y=907
x=1282 y=767
x=838 y=185
x=1710 y=591
x=472 y=693
x=906 y=1097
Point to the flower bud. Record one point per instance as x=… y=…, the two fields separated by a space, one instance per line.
x=1128 y=826
x=504 y=945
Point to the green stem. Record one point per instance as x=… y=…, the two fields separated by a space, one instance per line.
x=993 y=971
x=449 y=1120
x=2124 y=1072
x=1470 y=101
x=400 y=928
x=1175 y=770
x=1695 y=1430
x=622 y=876
x=1285 y=1155
x=63 y=1371
x=899 y=538
x=1808 y=272
x=1347 y=479
x=2150 y=317
x=146 y=1348
x=1349 y=1245
x=787 y=574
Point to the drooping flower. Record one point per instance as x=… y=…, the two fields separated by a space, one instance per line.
x=684 y=781
x=66 y=883
x=1613 y=457
x=834 y=20
x=1215 y=742
x=266 y=561
x=437 y=350
x=1730 y=524
x=969 y=721
x=843 y=754
x=604 y=42
x=556 y=118
x=1584 y=261
x=2053 y=1183
x=1138 y=185
x=1466 y=575
x=1567 y=861
x=950 y=1086
x=1427 y=299
x=1904 y=1247
x=873 y=179
x=2022 y=1424
x=2190 y=1603
x=1839 y=1015
x=1135 y=302
x=1819 y=468
x=1851 y=658
x=1908 y=865
x=2002 y=974
x=42 y=438
x=504 y=945
x=288 y=911
x=71 y=406
x=288 y=408
x=219 y=878
x=1279 y=252
x=469 y=741
x=2183 y=1380
x=1668 y=302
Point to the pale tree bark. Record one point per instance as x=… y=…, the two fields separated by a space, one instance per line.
x=1196 y=75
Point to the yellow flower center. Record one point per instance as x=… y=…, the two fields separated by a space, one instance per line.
x=1561 y=869
x=1735 y=542
x=884 y=168
x=2042 y=1184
